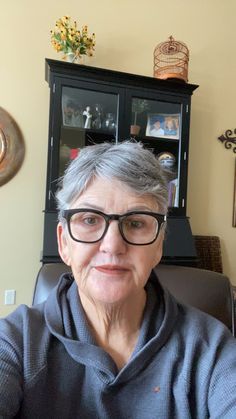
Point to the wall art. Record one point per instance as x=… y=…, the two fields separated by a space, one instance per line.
x=12 y=147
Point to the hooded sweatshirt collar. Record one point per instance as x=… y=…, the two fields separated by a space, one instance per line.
x=66 y=320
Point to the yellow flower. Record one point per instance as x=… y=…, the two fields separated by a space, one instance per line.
x=58 y=47
x=66 y=37
x=65 y=18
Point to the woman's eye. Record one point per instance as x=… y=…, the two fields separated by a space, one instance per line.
x=90 y=220
x=134 y=224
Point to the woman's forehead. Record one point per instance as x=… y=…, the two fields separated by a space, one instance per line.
x=101 y=192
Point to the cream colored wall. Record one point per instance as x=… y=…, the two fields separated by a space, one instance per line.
x=127 y=33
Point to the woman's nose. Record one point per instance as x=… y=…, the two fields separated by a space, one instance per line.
x=113 y=242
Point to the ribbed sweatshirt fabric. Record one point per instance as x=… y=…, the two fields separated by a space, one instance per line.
x=183 y=365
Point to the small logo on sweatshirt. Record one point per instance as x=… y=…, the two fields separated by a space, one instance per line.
x=156 y=389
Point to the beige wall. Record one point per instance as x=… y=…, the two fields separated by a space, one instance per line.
x=127 y=33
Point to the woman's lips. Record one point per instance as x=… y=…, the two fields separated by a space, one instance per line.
x=111 y=269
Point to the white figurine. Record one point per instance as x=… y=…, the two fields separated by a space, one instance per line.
x=88 y=115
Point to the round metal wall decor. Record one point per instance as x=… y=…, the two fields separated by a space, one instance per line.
x=12 y=147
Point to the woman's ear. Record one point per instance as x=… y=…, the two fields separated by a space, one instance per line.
x=63 y=245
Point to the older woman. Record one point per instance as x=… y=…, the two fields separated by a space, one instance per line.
x=109 y=342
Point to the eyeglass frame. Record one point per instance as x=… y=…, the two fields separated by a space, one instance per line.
x=67 y=214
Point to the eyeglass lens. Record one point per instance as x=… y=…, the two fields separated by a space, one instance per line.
x=136 y=228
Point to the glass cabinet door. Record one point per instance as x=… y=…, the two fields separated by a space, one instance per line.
x=88 y=117
x=158 y=124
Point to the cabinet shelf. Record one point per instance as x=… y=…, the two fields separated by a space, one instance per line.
x=91 y=131
x=159 y=141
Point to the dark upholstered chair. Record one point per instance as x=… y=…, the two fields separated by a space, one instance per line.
x=208 y=250
x=209 y=291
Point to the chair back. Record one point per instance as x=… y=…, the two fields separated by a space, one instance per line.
x=208 y=291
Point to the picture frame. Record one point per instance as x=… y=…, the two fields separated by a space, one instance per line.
x=234 y=199
x=163 y=125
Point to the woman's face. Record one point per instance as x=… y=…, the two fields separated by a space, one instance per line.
x=111 y=270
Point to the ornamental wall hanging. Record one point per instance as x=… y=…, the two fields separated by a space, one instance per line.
x=12 y=148
x=229 y=139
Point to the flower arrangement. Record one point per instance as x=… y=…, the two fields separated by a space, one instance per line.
x=67 y=38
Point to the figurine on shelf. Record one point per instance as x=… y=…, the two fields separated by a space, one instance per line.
x=68 y=113
x=97 y=123
x=110 y=123
x=88 y=114
x=78 y=120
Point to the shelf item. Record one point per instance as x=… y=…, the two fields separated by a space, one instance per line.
x=167 y=160
x=163 y=126
x=171 y=60
x=173 y=192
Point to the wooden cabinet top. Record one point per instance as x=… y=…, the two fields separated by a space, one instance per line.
x=65 y=69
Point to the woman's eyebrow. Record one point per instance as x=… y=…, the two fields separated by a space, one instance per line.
x=90 y=205
x=135 y=207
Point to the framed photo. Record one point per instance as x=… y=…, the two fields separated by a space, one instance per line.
x=163 y=125
x=234 y=201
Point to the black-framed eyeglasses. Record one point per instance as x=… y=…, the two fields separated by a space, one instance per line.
x=139 y=228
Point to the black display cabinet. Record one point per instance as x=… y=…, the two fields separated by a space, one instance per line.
x=90 y=105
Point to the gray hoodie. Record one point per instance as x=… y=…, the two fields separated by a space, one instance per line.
x=183 y=366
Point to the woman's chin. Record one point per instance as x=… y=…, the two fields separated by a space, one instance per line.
x=109 y=290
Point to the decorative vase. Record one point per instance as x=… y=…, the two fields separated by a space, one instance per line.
x=70 y=57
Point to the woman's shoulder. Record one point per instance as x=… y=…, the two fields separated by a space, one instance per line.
x=22 y=322
x=24 y=342
x=23 y=313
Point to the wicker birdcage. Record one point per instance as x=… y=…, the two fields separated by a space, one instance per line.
x=171 y=60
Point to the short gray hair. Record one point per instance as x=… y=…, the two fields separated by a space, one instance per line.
x=129 y=162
